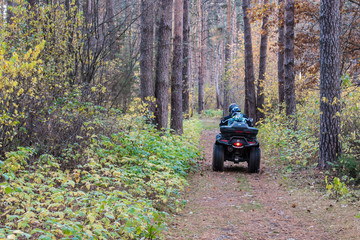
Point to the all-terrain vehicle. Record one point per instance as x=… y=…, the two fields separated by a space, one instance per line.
x=237 y=143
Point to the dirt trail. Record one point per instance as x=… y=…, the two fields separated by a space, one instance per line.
x=238 y=205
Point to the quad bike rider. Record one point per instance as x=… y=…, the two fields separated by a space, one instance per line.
x=236 y=141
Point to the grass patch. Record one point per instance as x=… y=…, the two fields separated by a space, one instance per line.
x=210 y=123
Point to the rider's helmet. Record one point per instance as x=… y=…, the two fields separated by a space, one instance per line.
x=232 y=106
x=235 y=110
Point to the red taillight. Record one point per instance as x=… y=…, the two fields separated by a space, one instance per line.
x=237 y=144
x=239 y=131
x=252 y=142
x=224 y=140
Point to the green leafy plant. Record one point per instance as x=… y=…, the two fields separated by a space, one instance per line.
x=336 y=188
x=211 y=113
x=127 y=178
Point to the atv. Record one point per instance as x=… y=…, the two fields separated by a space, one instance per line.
x=237 y=143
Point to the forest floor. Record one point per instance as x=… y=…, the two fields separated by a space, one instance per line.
x=236 y=205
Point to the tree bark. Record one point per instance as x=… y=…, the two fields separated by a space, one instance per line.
x=202 y=71
x=9 y=13
x=217 y=74
x=162 y=64
x=186 y=57
x=281 y=53
x=176 y=121
x=330 y=82
x=262 y=65
x=110 y=25
x=32 y=4
x=146 y=50
x=289 y=74
x=226 y=96
x=250 y=97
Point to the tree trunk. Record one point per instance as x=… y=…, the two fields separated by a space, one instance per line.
x=110 y=25
x=226 y=101
x=9 y=13
x=217 y=74
x=176 y=121
x=186 y=56
x=281 y=53
x=289 y=59
x=250 y=97
x=330 y=83
x=32 y=4
x=146 y=50
x=262 y=65
x=162 y=64
x=202 y=60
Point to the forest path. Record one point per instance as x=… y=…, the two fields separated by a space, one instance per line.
x=238 y=205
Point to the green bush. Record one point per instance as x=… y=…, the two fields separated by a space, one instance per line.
x=349 y=164
x=291 y=141
x=120 y=186
x=295 y=141
x=213 y=113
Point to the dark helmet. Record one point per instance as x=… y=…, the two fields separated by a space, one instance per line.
x=232 y=106
x=235 y=110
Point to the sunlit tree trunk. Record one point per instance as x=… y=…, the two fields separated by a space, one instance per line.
x=330 y=83
x=280 y=61
x=289 y=73
x=146 y=49
x=176 y=121
x=186 y=56
x=250 y=97
x=262 y=65
x=162 y=64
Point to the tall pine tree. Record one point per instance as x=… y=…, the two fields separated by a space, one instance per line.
x=330 y=83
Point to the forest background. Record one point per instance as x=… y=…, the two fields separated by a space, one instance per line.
x=88 y=89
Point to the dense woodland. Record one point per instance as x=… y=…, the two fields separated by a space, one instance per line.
x=100 y=99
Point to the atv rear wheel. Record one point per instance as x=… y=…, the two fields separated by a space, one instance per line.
x=218 y=158
x=254 y=160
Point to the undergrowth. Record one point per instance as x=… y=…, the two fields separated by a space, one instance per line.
x=292 y=143
x=120 y=186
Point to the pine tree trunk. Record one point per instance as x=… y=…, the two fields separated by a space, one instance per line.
x=226 y=96
x=176 y=121
x=281 y=53
x=262 y=66
x=289 y=74
x=146 y=50
x=110 y=25
x=9 y=13
x=202 y=60
x=250 y=97
x=330 y=83
x=162 y=64
x=217 y=74
x=186 y=56
x=32 y=4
